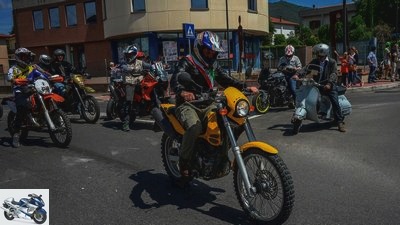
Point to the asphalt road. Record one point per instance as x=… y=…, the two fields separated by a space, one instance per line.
x=107 y=176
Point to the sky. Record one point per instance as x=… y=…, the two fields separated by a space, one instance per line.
x=6 y=22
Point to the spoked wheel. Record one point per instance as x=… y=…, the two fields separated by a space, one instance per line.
x=8 y=216
x=111 y=110
x=62 y=135
x=170 y=156
x=39 y=218
x=262 y=102
x=91 y=109
x=296 y=125
x=272 y=197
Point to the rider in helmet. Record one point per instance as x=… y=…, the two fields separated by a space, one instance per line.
x=60 y=66
x=45 y=63
x=23 y=67
x=289 y=64
x=327 y=76
x=131 y=73
x=204 y=70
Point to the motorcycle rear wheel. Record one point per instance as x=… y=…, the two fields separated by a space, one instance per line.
x=273 y=199
x=111 y=110
x=39 y=218
x=91 y=110
x=262 y=102
x=62 y=135
x=1 y=111
x=170 y=156
x=8 y=216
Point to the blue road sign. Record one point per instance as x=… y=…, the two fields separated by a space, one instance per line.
x=188 y=30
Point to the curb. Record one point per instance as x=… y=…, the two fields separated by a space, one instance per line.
x=374 y=88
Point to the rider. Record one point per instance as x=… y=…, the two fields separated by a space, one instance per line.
x=60 y=66
x=327 y=76
x=24 y=58
x=289 y=60
x=132 y=73
x=203 y=70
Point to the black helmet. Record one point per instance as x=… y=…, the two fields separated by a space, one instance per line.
x=23 y=56
x=45 y=59
x=59 y=52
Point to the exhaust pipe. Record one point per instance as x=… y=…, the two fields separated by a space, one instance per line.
x=163 y=123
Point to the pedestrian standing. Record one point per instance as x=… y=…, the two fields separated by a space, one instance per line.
x=373 y=63
x=394 y=52
x=344 y=67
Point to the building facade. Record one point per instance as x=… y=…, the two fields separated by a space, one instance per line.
x=97 y=31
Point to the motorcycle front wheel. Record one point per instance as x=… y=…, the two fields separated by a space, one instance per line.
x=170 y=156
x=62 y=135
x=91 y=109
x=261 y=102
x=272 y=200
x=39 y=218
x=8 y=216
x=111 y=110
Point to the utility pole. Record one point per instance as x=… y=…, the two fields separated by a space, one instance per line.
x=345 y=39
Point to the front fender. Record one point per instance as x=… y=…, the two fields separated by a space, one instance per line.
x=41 y=211
x=54 y=96
x=261 y=145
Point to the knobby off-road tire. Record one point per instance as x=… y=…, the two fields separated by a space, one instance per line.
x=92 y=112
x=62 y=135
x=274 y=198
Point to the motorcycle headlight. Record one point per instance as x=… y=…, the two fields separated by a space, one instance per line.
x=242 y=108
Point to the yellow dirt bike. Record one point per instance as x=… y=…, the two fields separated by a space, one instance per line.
x=262 y=181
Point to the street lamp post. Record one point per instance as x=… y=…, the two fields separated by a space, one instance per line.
x=227 y=38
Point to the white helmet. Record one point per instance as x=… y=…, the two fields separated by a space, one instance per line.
x=320 y=50
x=24 y=57
x=289 y=51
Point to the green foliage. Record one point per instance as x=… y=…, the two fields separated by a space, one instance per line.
x=323 y=33
x=293 y=40
x=358 y=29
x=279 y=39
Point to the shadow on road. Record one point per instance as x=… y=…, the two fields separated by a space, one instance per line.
x=117 y=125
x=305 y=128
x=162 y=192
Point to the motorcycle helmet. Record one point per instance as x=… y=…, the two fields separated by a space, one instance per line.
x=206 y=47
x=59 y=52
x=289 y=51
x=24 y=57
x=320 y=50
x=45 y=59
x=130 y=53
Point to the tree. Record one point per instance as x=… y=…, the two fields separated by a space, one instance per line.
x=323 y=33
x=383 y=32
x=358 y=29
x=279 y=39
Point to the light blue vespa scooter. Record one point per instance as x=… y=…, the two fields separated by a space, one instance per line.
x=311 y=105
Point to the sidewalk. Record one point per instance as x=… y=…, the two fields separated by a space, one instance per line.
x=100 y=84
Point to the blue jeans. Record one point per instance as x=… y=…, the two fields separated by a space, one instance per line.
x=371 y=75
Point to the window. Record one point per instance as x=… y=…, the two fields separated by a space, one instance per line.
x=138 y=5
x=38 y=19
x=71 y=15
x=252 y=5
x=90 y=12
x=199 y=4
x=54 y=17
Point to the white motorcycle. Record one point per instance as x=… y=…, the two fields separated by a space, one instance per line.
x=25 y=208
x=311 y=105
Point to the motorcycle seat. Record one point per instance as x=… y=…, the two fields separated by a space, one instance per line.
x=14 y=202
